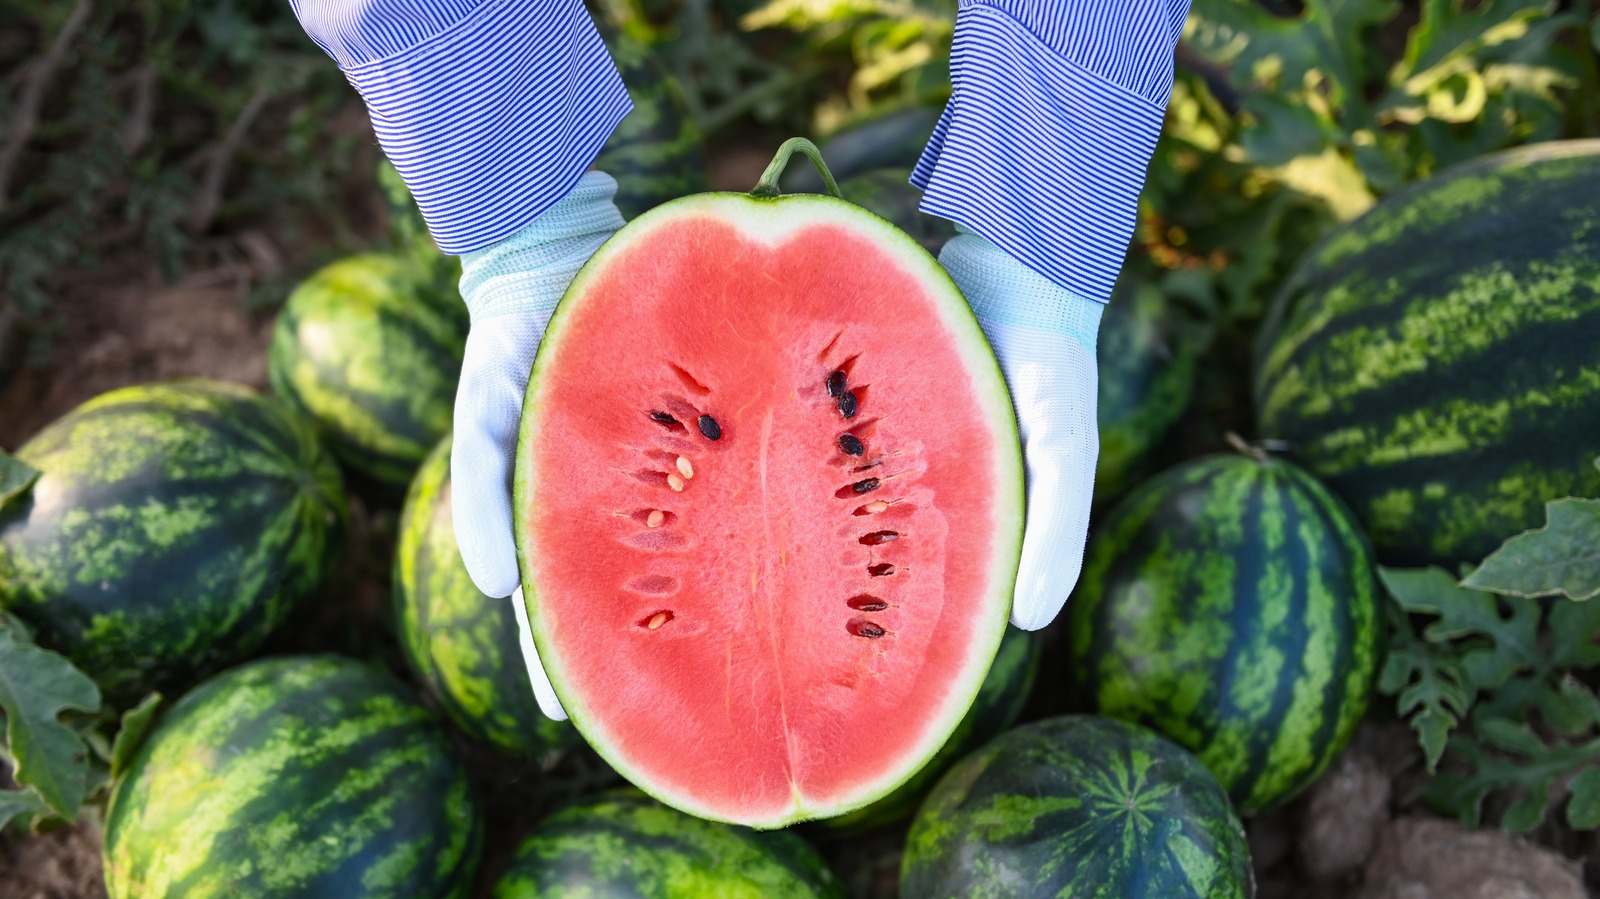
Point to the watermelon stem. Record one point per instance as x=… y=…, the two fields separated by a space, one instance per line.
x=767 y=187
x=1250 y=450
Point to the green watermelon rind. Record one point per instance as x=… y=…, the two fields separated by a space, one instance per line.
x=1077 y=806
x=295 y=775
x=459 y=642
x=1430 y=361
x=1232 y=604
x=782 y=215
x=380 y=383
x=622 y=843
x=176 y=525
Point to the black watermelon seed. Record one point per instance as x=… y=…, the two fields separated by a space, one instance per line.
x=835 y=383
x=882 y=569
x=877 y=538
x=865 y=485
x=710 y=428
x=850 y=445
x=847 y=404
x=863 y=628
x=663 y=417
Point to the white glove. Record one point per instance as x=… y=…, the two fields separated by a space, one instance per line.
x=1044 y=337
x=510 y=289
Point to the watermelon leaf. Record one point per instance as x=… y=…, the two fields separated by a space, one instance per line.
x=136 y=723
x=23 y=804
x=1561 y=558
x=1583 y=809
x=36 y=686
x=1433 y=689
x=16 y=476
x=1495 y=646
x=1508 y=755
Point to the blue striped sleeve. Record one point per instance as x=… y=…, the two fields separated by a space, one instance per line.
x=1054 y=116
x=491 y=110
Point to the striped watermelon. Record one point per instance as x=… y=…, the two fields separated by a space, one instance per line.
x=1080 y=807
x=370 y=347
x=1148 y=367
x=655 y=153
x=1231 y=604
x=308 y=776
x=175 y=526
x=627 y=846
x=461 y=643
x=1433 y=361
x=1000 y=700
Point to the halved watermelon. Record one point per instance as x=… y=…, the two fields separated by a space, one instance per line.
x=770 y=496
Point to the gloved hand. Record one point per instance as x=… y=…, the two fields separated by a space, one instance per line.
x=1044 y=337
x=510 y=289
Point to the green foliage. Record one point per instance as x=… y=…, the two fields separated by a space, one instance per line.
x=1561 y=558
x=1325 y=109
x=1430 y=683
x=160 y=123
x=896 y=52
x=48 y=758
x=1489 y=655
x=16 y=477
x=136 y=724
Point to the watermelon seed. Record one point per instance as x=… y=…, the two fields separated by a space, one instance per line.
x=873 y=508
x=866 y=602
x=865 y=485
x=665 y=418
x=850 y=445
x=835 y=384
x=877 y=538
x=655 y=518
x=847 y=404
x=685 y=467
x=710 y=428
x=655 y=621
x=675 y=482
x=882 y=569
x=861 y=627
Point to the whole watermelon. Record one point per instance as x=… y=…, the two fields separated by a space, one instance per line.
x=1076 y=806
x=1149 y=360
x=175 y=525
x=1231 y=604
x=309 y=776
x=1000 y=700
x=461 y=643
x=889 y=193
x=655 y=153
x=370 y=348
x=623 y=845
x=1433 y=361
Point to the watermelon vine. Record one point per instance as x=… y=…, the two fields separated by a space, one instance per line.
x=1492 y=681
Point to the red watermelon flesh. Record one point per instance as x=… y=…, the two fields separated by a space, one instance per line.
x=759 y=603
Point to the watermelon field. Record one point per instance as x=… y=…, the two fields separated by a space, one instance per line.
x=1337 y=632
